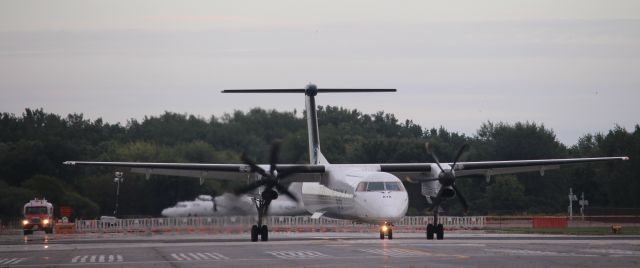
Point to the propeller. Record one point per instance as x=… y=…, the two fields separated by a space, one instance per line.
x=447 y=178
x=269 y=179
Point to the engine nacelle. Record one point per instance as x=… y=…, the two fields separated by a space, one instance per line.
x=448 y=192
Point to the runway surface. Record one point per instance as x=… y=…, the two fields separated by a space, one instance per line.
x=319 y=250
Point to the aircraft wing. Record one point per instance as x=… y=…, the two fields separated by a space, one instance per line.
x=422 y=172
x=489 y=168
x=299 y=172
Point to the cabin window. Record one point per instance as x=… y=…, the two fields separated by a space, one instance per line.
x=375 y=186
x=362 y=187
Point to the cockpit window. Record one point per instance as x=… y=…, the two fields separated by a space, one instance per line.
x=362 y=187
x=393 y=186
x=379 y=186
x=375 y=186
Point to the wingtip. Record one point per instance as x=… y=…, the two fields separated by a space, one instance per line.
x=625 y=158
x=69 y=163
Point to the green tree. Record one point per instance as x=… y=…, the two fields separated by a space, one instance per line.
x=506 y=194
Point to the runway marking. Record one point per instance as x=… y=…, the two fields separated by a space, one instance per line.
x=397 y=252
x=198 y=256
x=614 y=252
x=11 y=260
x=525 y=252
x=297 y=254
x=96 y=258
x=445 y=245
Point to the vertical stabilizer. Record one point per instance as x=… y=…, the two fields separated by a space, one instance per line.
x=310 y=92
x=315 y=155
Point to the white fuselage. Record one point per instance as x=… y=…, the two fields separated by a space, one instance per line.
x=359 y=195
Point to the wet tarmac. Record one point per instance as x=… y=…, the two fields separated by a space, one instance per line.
x=460 y=248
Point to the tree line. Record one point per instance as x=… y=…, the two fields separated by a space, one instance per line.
x=33 y=146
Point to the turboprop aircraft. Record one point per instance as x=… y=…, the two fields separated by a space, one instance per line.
x=371 y=193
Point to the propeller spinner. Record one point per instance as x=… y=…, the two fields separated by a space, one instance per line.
x=269 y=179
x=447 y=178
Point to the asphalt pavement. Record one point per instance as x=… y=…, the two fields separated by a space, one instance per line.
x=460 y=248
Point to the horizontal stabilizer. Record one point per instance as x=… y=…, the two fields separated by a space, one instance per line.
x=302 y=90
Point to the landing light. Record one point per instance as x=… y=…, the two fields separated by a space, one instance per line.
x=384 y=228
x=25 y=222
x=45 y=221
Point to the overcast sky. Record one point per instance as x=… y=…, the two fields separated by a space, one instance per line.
x=571 y=65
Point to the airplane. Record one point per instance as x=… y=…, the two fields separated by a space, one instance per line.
x=367 y=193
x=229 y=204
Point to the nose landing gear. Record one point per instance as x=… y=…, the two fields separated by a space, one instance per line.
x=386 y=230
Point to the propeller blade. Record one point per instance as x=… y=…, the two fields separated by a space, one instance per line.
x=285 y=191
x=428 y=146
x=254 y=168
x=269 y=180
x=462 y=149
x=461 y=198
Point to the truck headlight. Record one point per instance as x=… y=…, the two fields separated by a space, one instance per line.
x=25 y=222
x=46 y=221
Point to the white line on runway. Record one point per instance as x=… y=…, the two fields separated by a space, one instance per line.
x=396 y=252
x=525 y=252
x=11 y=260
x=96 y=259
x=444 y=245
x=198 y=256
x=297 y=254
x=614 y=252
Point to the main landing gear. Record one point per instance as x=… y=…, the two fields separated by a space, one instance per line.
x=435 y=228
x=386 y=230
x=262 y=204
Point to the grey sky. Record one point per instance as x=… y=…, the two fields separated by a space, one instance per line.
x=572 y=65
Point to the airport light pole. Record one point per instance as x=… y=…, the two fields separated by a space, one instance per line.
x=583 y=203
x=119 y=178
x=572 y=197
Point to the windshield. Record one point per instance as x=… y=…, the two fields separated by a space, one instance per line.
x=379 y=186
x=36 y=210
x=393 y=186
x=375 y=186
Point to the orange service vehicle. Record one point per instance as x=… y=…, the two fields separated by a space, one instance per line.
x=38 y=215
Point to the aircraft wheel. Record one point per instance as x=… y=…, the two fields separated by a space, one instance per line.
x=430 y=230
x=439 y=232
x=264 y=233
x=390 y=234
x=254 y=233
x=27 y=232
x=381 y=234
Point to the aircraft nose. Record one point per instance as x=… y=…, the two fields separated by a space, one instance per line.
x=389 y=206
x=394 y=207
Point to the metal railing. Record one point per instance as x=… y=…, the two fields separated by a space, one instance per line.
x=241 y=224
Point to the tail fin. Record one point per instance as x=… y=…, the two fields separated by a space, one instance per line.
x=310 y=91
